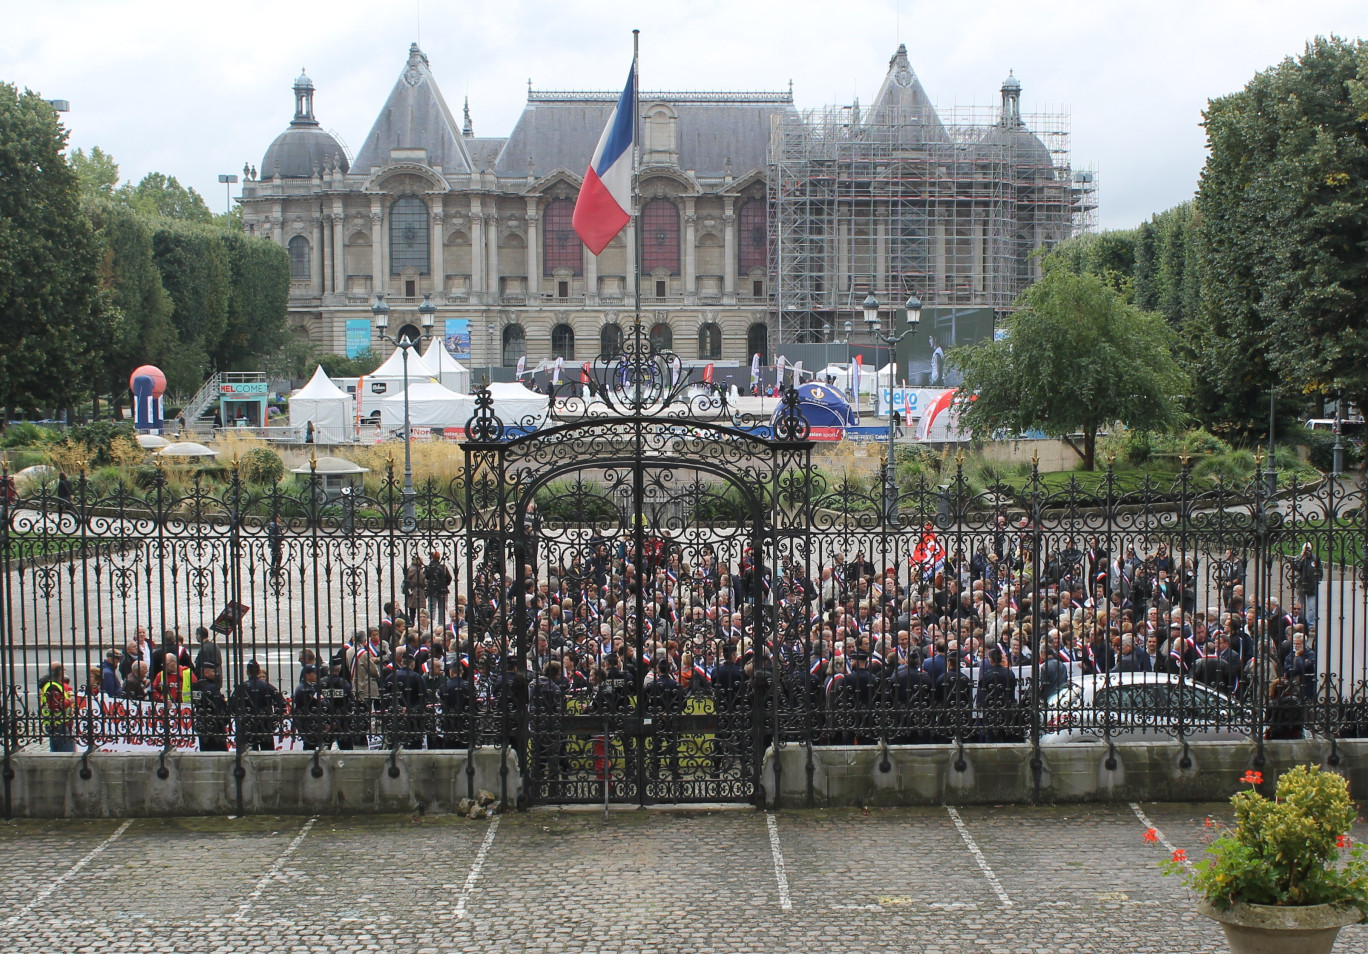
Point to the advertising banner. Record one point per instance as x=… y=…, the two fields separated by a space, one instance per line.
x=358 y=336
x=458 y=338
x=909 y=402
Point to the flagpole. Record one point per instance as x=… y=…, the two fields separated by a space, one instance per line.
x=636 y=190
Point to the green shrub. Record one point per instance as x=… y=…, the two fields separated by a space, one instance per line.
x=261 y=465
x=1202 y=443
x=26 y=434
x=98 y=438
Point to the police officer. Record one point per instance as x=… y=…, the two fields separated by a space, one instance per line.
x=546 y=706
x=455 y=698
x=309 y=720
x=730 y=695
x=665 y=703
x=408 y=703
x=260 y=706
x=210 y=709
x=339 y=707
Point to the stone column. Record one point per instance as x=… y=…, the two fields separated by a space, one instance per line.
x=477 y=250
x=729 y=248
x=533 y=252
x=438 y=251
x=339 y=247
x=491 y=230
x=690 y=248
x=319 y=268
x=377 y=250
x=591 y=292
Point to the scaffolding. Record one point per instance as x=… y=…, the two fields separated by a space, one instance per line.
x=949 y=206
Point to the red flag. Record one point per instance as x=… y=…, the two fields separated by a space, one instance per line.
x=584 y=373
x=708 y=374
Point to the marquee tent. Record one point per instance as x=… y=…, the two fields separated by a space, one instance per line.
x=450 y=372
x=515 y=404
x=388 y=380
x=328 y=406
x=430 y=405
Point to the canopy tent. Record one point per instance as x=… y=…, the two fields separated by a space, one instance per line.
x=840 y=375
x=517 y=405
x=940 y=421
x=430 y=405
x=388 y=380
x=821 y=406
x=450 y=372
x=328 y=406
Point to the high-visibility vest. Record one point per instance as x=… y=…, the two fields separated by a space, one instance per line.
x=59 y=715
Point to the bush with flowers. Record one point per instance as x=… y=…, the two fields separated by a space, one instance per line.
x=1291 y=850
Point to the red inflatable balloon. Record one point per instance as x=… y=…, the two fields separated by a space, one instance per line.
x=158 y=379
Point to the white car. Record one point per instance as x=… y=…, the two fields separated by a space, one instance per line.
x=1141 y=706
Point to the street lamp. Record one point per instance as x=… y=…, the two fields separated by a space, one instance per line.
x=426 y=311
x=228 y=183
x=491 y=329
x=872 y=320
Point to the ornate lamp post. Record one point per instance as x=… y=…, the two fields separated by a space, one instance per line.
x=873 y=320
x=426 y=311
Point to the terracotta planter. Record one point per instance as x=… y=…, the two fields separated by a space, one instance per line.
x=1269 y=929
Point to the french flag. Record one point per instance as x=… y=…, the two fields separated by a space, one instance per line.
x=605 y=199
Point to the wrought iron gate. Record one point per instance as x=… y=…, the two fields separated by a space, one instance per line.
x=585 y=540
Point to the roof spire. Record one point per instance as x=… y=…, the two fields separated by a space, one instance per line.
x=303 y=93
x=468 y=129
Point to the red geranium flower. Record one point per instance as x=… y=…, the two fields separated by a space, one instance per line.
x=1252 y=778
x=1180 y=855
x=1151 y=835
x=1208 y=823
x=1343 y=841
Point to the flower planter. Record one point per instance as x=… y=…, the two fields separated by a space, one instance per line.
x=1270 y=929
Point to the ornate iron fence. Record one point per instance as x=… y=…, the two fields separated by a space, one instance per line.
x=788 y=607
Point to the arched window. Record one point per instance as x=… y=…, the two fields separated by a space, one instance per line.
x=299 y=259
x=662 y=337
x=757 y=341
x=610 y=341
x=709 y=342
x=753 y=235
x=660 y=237
x=560 y=245
x=563 y=342
x=409 y=235
x=514 y=344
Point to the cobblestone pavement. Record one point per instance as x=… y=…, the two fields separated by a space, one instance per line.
x=1077 y=878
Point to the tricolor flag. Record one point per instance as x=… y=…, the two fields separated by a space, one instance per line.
x=755 y=369
x=522 y=365
x=855 y=378
x=604 y=205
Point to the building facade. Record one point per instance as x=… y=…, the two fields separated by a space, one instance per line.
x=483 y=225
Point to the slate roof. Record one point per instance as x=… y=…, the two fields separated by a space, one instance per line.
x=415 y=117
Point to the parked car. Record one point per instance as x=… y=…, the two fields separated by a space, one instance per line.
x=1141 y=706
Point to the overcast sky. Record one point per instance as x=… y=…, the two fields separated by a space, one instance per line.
x=195 y=89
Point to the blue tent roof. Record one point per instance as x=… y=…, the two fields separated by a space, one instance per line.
x=823 y=406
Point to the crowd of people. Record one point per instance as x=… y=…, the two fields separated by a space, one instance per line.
x=958 y=622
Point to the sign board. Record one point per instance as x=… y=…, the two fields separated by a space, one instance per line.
x=239 y=388
x=917 y=398
x=458 y=338
x=230 y=618
x=379 y=387
x=358 y=336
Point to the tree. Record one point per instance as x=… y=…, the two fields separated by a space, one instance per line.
x=1283 y=202
x=47 y=260
x=340 y=366
x=1075 y=358
x=163 y=196
x=258 y=292
x=98 y=172
x=194 y=268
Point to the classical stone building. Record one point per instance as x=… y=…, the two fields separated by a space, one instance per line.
x=483 y=224
x=875 y=203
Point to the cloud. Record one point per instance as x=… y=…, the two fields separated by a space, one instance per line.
x=193 y=90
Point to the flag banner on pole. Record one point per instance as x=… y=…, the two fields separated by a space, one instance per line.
x=556 y=375
x=676 y=367
x=522 y=365
x=708 y=374
x=855 y=379
x=755 y=369
x=779 y=372
x=604 y=205
x=584 y=373
x=797 y=374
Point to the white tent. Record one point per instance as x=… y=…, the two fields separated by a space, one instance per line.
x=388 y=380
x=430 y=405
x=450 y=372
x=841 y=375
x=328 y=406
x=516 y=405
